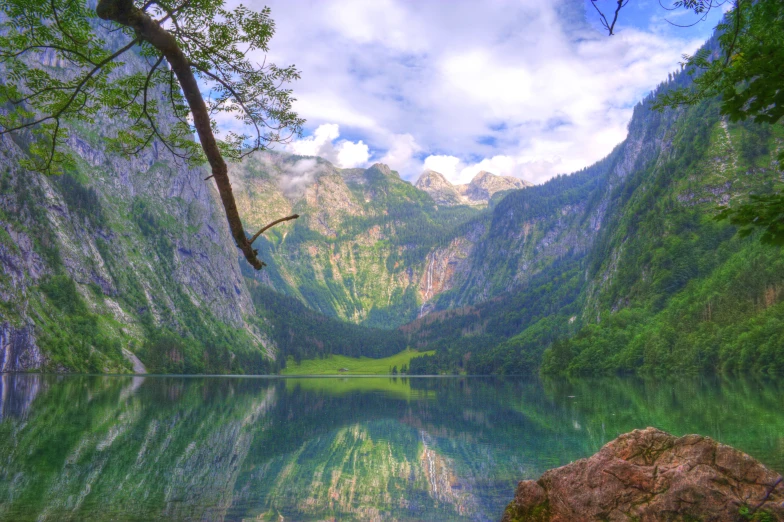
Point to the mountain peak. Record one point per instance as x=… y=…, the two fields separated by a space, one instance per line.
x=478 y=192
x=430 y=178
x=439 y=188
x=484 y=178
x=384 y=169
x=483 y=174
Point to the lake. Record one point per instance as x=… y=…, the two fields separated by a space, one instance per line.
x=345 y=448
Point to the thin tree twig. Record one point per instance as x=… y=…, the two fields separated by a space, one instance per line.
x=77 y=90
x=237 y=98
x=607 y=25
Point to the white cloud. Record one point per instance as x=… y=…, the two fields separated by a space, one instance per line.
x=343 y=153
x=535 y=170
x=449 y=166
x=352 y=154
x=296 y=178
x=400 y=152
x=525 y=87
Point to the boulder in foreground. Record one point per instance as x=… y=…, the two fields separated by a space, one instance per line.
x=650 y=475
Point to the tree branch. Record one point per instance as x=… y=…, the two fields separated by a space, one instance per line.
x=125 y=13
x=55 y=47
x=607 y=25
x=60 y=26
x=77 y=89
x=267 y=227
x=237 y=97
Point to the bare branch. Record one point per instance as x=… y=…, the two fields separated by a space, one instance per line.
x=267 y=227
x=607 y=25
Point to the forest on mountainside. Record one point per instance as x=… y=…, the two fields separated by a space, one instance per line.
x=665 y=287
x=620 y=267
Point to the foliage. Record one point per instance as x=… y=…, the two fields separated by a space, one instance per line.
x=82 y=200
x=215 y=351
x=746 y=72
x=150 y=102
x=74 y=337
x=505 y=335
x=47 y=100
x=764 y=211
x=333 y=364
x=301 y=333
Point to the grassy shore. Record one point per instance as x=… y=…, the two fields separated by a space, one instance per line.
x=333 y=364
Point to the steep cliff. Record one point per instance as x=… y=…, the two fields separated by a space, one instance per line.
x=97 y=261
x=365 y=247
x=626 y=261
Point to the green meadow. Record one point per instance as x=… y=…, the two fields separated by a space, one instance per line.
x=333 y=364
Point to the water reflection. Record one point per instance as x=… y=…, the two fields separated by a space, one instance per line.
x=133 y=448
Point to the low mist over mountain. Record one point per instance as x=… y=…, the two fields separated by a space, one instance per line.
x=620 y=266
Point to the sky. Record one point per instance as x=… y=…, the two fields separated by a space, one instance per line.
x=526 y=88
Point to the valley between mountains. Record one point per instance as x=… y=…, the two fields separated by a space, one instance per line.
x=620 y=267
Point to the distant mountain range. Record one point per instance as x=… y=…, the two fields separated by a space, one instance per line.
x=618 y=267
x=478 y=192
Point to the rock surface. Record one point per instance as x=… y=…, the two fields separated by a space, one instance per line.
x=478 y=192
x=18 y=351
x=649 y=475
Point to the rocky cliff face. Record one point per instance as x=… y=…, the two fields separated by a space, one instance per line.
x=478 y=192
x=18 y=350
x=368 y=247
x=652 y=475
x=144 y=240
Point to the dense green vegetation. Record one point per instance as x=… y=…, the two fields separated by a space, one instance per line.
x=301 y=333
x=664 y=287
x=342 y=365
x=484 y=339
x=74 y=337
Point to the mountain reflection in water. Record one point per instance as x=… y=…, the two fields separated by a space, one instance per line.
x=226 y=448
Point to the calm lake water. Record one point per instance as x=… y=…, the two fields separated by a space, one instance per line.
x=221 y=448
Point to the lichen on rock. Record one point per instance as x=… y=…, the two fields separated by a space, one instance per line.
x=650 y=475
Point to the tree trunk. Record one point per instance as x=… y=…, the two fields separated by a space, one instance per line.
x=125 y=13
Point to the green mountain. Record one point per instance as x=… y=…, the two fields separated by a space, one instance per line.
x=619 y=267
x=370 y=248
x=641 y=277
x=100 y=263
